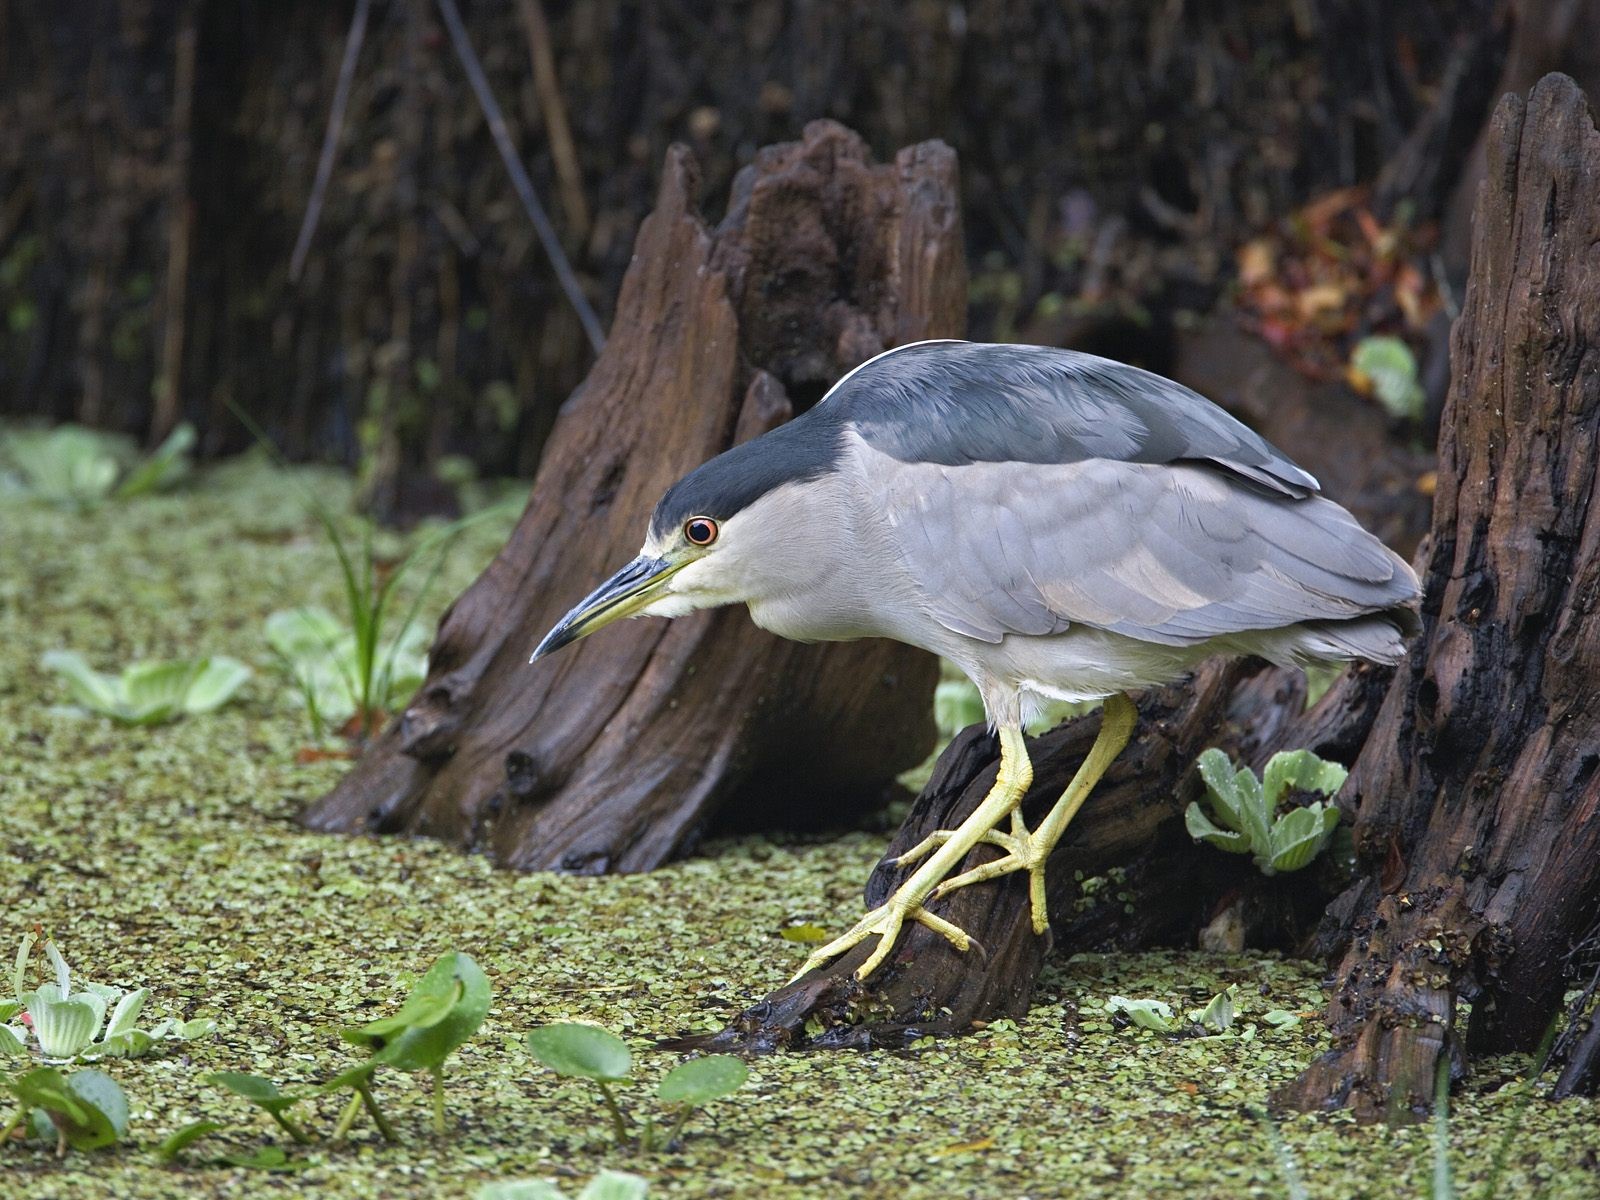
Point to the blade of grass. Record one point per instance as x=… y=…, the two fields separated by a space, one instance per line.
x=1519 y=1112
x=1444 y=1187
x=1294 y=1186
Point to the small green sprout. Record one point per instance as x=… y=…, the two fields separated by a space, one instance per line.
x=607 y=1185
x=84 y=1111
x=1243 y=809
x=444 y=1009
x=92 y=1021
x=1386 y=367
x=263 y=1093
x=148 y=693
x=79 y=468
x=577 y=1051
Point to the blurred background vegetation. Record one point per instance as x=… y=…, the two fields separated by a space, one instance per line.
x=1126 y=167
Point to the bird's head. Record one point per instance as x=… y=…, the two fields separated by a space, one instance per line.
x=731 y=532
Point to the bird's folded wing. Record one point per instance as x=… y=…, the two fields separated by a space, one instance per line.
x=1175 y=554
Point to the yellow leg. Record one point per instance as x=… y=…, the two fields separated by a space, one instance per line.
x=943 y=852
x=1030 y=852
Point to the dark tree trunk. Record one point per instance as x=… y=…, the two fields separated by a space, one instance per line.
x=615 y=755
x=1479 y=798
x=1476 y=780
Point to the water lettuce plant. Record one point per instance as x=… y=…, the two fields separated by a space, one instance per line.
x=81 y=468
x=85 y=1022
x=149 y=693
x=82 y=1111
x=577 y=1051
x=607 y=1185
x=1243 y=809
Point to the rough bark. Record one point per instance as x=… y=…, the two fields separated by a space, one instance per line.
x=1479 y=799
x=614 y=755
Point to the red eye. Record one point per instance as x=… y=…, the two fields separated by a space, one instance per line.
x=701 y=531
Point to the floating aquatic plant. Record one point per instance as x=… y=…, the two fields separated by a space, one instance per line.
x=149 y=693
x=1243 y=809
x=92 y=1020
x=81 y=468
x=82 y=1111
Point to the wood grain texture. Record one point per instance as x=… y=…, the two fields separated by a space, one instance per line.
x=1478 y=820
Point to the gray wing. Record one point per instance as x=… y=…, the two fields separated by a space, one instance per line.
x=1169 y=554
x=956 y=403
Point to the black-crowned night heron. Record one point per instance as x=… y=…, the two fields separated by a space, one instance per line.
x=1057 y=525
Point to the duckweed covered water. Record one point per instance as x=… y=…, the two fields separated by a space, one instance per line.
x=169 y=857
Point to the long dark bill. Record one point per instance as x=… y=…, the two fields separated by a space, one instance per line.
x=624 y=594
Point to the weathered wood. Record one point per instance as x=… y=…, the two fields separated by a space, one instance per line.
x=1478 y=824
x=615 y=755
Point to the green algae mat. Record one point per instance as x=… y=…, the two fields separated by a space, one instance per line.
x=168 y=857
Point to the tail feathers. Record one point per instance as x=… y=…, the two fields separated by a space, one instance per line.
x=1379 y=637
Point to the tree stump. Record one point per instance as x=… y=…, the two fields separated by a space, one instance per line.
x=614 y=756
x=1479 y=796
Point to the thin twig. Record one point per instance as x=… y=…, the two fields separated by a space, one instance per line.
x=519 y=175
x=180 y=232
x=330 y=139
x=554 y=111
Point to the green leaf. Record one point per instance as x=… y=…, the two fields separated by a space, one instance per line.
x=308 y=632
x=1280 y=1018
x=19 y=966
x=100 y=1092
x=1392 y=369
x=198 y=1028
x=1299 y=836
x=59 y=965
x=176 y=1142
x=165 y=466
x=131 y=1044
x=703 y=1079
x=1253 y=813
x=267 y=1158
x=520 y=1189
x=616 y=1185
x=581 y=1051
x=1216 y=771
x=214 y=684
x=87 y=687
x=1221 y=1012
x=126 y=1012
x=1301 y=771
x=11 y=1043
x=1147 y=1014
x=444 y=1009
x=1201 y=829
x=65 y=1028
x=154 y=691
x=263 y=1093
x=87 y=1109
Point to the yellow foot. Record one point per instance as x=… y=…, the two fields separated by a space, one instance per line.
x=1029 y=853
x=885 y=921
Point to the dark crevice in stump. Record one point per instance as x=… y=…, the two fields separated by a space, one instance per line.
x=615 y=755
